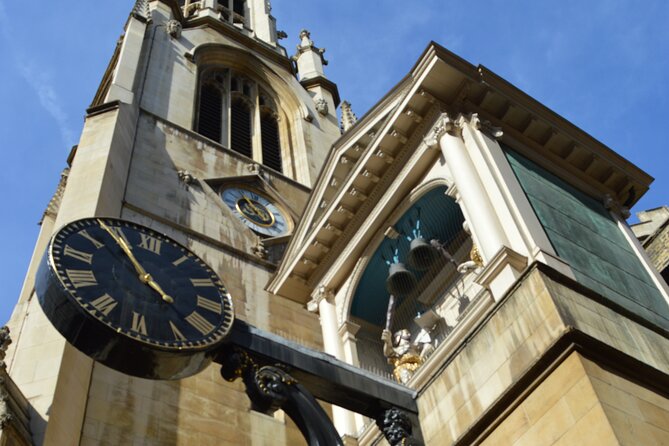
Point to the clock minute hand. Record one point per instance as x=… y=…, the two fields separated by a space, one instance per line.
x=260 y=213
x=143 y=275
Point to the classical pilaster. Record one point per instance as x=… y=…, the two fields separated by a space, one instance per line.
x=323 y=303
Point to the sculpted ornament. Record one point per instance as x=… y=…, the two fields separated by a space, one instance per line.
x=174 y=29
x=396 y=427
x=322 y=107
x=404 y=355
x=443 y=125
x=486 y=127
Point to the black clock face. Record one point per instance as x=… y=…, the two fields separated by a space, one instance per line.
x=141 y=284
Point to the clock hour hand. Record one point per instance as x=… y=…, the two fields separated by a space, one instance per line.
x=143 y=275
x=262 y=214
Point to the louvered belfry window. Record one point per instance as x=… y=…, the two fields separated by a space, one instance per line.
x=240 y=127
x=271 y=148
x=211 y=112
x=230 y=107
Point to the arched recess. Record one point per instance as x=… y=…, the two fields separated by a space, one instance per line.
x=289 y=109
x=429 y=213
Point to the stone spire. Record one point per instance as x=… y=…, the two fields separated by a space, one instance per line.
x=348 y=118
x=309 y=58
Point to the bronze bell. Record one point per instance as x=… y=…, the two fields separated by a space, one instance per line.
x=421 y=254
x=400 y=280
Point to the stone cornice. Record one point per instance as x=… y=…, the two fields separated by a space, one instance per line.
x=325 y=83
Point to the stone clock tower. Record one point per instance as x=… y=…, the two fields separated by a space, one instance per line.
x=200 y=109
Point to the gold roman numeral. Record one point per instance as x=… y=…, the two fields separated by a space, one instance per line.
x=88 y=237
x=200 y=323
x=180 y=261
x=178 y=336
x=79 y=255
x=202 y=282
x=104 y=304
x=209 y=305
x=119 y=233
x=139 y=323
x=150 y=243
x=81 y=278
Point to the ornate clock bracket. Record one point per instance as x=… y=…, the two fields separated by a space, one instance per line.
x=271 y=388
x=279 y=374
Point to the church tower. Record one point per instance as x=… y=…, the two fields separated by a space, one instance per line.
x=200 y=107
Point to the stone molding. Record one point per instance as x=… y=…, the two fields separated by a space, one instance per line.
x=505 y=256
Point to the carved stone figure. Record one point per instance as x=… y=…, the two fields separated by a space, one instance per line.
x=403 y=354
x=174 y=28
x=322 y=107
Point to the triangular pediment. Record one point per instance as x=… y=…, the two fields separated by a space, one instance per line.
x=362 y=163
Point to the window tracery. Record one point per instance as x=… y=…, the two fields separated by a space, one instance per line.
x=238 y=113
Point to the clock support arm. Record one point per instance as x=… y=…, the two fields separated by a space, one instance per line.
x=281 y=374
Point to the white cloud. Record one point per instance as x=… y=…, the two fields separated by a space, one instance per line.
x=38 y=78
x=40 y=81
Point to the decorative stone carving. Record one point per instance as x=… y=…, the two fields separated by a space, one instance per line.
x=186 y=177
x=280 y=35
x=322 y=107
x=443 y=125
x=174 y=29
x=5 y=341
x=254 y=169
x=259 y=249
x=612 y=205
x=486 y=127
x=396 y=427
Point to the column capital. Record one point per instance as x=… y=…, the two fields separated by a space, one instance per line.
x=485 y=127
x=320 y=294
x=443 y=125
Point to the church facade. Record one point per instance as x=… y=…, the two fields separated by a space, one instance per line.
x=460 y=239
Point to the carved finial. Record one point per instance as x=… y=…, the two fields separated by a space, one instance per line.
x=310 y=59
x=348 y=118
x=54 y=205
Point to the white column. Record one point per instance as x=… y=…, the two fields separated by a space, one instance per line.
x=478 y=208
x=323 y=303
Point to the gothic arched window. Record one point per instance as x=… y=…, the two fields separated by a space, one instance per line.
x=269 y=133
x=233 y=11
x=230 y=107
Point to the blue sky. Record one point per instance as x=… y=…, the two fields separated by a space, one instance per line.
x=603 y=64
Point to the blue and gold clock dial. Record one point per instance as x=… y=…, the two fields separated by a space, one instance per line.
x=256 y=211
x=107 y=283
